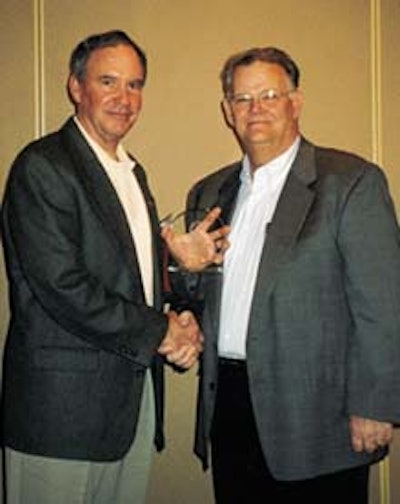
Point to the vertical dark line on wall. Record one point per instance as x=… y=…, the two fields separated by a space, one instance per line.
x=39 y=77
x=376 y=79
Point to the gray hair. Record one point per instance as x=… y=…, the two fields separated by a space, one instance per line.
x=81 y=53
x=265 y=54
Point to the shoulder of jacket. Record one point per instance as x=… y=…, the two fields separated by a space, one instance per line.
x=219 y=176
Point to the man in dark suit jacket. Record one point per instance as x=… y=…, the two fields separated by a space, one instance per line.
x=300 y=374
x=81 y=237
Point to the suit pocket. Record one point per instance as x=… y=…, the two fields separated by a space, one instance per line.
x=66 y=359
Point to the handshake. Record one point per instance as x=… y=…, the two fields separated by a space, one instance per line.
x=183 y=341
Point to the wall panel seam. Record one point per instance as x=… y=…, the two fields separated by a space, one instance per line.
x=38 y=70
x=377 y=156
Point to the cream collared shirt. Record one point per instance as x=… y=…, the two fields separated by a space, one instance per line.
x=133 y=203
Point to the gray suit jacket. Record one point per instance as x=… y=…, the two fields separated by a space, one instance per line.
x=81 y=335
x=323 y=340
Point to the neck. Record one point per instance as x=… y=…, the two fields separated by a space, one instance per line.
x=109 y=145
x=261 y=154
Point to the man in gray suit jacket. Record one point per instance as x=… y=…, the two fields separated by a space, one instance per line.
x=300 y=374
x=83 y=366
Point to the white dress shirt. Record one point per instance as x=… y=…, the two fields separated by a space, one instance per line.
x=132 y=200
x=256 y=202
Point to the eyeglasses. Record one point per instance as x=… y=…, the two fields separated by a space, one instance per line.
x=267 y=97
x=189 y=219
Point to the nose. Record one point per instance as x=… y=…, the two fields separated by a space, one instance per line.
x=123 y=94
x=256 y=104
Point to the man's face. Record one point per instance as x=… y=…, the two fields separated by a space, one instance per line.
x=109 y=99
x=271 y=123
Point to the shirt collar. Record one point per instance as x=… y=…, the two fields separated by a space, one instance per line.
x=124 y=161
x=270 y=171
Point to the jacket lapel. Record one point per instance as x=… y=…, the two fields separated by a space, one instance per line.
x=228 y=193
x=294 y=204
x=100 y=191
x=151 y=206
x=155 y=230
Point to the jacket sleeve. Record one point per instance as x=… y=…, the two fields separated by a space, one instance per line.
x=369 y=242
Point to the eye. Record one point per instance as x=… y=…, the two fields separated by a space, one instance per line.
x=241 y=99
x=107 y=80
x=136 y=85
x=270 y=95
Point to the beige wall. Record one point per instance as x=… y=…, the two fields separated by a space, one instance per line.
x=351 y=78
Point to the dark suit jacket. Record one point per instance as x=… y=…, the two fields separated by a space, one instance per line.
x=81 y=335
x=323 y=340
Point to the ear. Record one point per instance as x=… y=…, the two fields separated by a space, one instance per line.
x=297 y=101
x=74 y=89
x=227 y=111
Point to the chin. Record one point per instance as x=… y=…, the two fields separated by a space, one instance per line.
x=121 y=129
x=258 y=139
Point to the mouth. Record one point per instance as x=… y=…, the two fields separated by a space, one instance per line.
x=258 y=122
x=121 y=115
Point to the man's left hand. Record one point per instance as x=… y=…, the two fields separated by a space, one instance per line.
x=199 y=248
x=369 y=435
